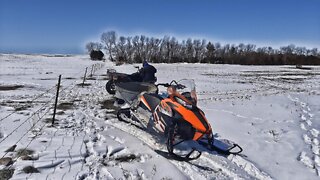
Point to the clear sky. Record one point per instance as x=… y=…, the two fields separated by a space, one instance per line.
x=64 y=26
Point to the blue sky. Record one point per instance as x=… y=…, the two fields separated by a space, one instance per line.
x=64 y=26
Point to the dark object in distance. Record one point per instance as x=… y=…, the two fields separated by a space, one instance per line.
x=299 y=66
x=96 y=55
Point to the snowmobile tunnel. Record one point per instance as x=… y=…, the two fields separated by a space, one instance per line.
x=129 y=91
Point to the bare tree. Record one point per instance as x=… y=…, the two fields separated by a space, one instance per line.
x=210 y=52
x=121 y=49
x=93 y=46
x=189 y=50
x=109 y=39
x=315 y=52
x=129 y=49
x=154 y=48
x=90 y=46
x=168 y=49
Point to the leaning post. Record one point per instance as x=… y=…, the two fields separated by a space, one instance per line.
x=56 y=101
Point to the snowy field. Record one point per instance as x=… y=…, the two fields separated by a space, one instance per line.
x=272 y=112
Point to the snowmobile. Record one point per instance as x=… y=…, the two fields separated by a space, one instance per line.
x=116 y=77
x=173 y=115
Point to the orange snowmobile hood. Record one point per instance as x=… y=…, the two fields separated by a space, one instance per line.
x=195 y=118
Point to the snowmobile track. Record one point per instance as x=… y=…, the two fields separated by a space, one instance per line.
x=207 y=166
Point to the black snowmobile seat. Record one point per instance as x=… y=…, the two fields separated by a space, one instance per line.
x=135 y=77
x=148 y=73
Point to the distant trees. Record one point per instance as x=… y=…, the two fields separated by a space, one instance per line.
x=93 y=46
x=109 y=40
x=169 y=50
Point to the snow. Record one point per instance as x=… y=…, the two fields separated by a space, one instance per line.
x=272 y=112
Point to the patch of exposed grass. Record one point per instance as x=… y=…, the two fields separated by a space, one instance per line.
x=10 y=87
x=85 y=84
x=30 y=169
x=65 y=105
x=22 y=108
x=11 y=149
x=48 y=120
x=44 y=79
x=91 y=78
x=18 y=105
x=126 y=158
x=107 y=104
x=24 y=152
x=6 y=174
x=69 y=78
x=29 y=158
x=6 y=161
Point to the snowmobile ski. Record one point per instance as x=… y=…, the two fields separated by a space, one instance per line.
x=125 y=115
x=234 y=148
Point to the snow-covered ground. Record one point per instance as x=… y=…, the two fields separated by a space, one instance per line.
x=273 y=112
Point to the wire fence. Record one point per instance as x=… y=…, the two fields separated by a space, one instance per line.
x=32 y=115
x=31 y=128
x=66 y=92
x=73 y=84
x=37 y=97
x=26 y=120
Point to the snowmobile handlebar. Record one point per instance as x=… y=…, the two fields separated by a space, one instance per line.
x=163 y=84
x=172 y=83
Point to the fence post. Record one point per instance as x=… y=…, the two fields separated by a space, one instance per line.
x=56 y=102
x=92 y=70
x=84 y=77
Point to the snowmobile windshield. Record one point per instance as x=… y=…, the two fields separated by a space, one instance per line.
x=188 y=85
x=187 y=88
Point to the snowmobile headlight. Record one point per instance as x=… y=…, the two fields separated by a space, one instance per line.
x=165 y=109
x=183 y=103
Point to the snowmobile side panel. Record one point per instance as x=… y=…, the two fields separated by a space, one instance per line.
x=153 y=100
x=145 y=102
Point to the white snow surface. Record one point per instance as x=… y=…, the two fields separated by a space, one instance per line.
x=272 y=112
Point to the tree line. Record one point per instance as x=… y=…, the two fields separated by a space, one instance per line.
x=168 y=49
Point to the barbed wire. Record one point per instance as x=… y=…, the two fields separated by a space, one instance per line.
x=37 y=97
x=75 y=74
x=29 y=141
x=39 y=118
x=40 y=95
x=25 y=120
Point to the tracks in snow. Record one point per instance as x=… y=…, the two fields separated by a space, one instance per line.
x=310 y=159
x=113 y=149
x=207 y=166
x=114 y=154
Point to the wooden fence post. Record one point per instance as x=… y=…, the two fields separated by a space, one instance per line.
x=84 y=77
x=92 y=70
x=56 y=102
